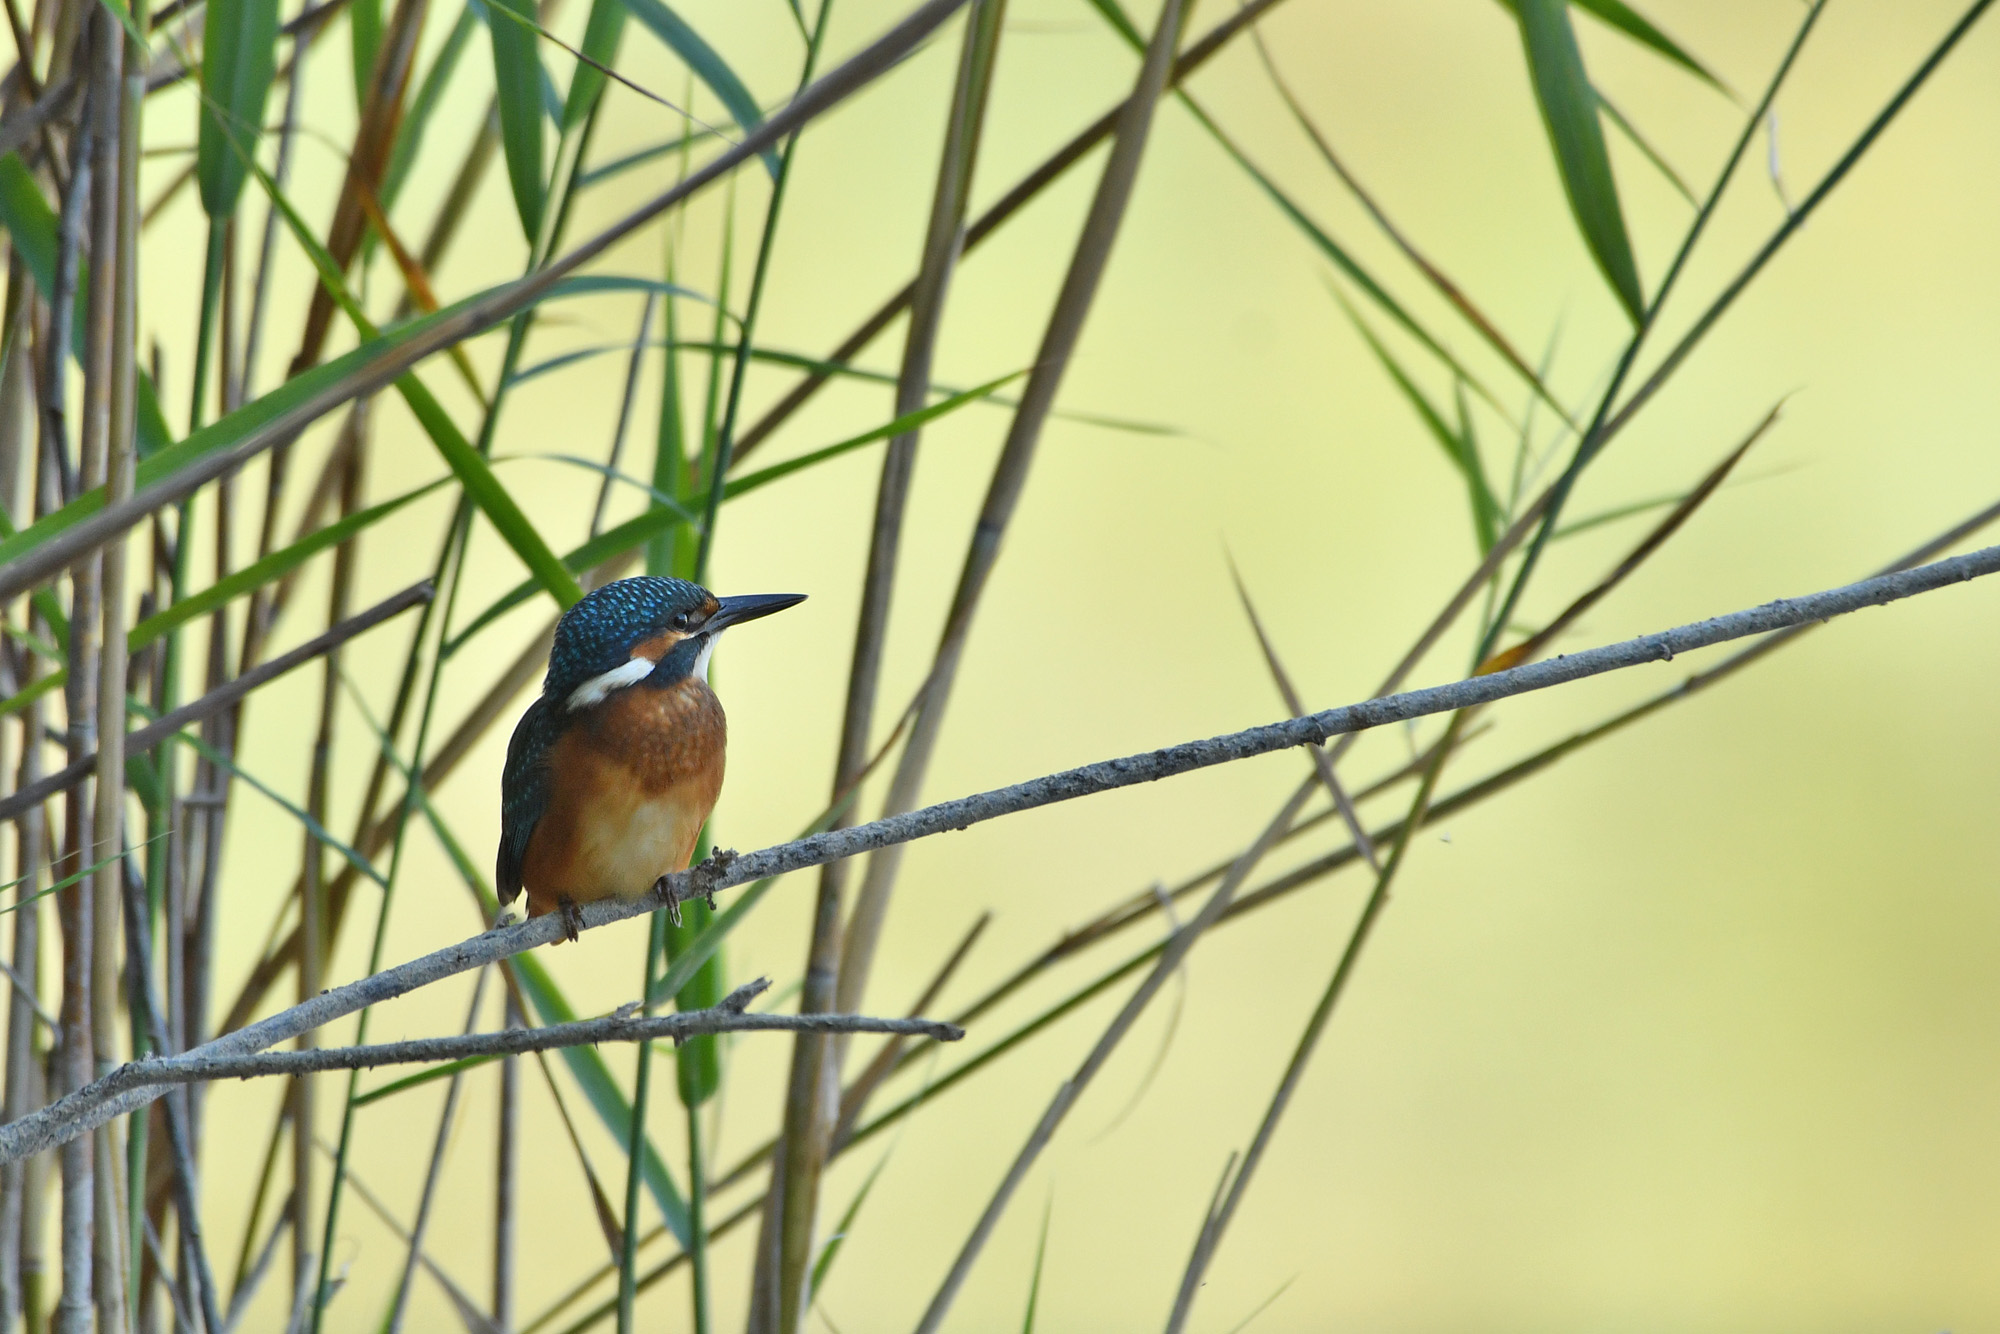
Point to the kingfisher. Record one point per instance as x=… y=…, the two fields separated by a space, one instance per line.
x=612 y=771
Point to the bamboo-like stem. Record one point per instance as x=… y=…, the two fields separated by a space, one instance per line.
x=314 y=946
x=107 y=453
x=22 y=1077
x=810 y=1105
x=421 y=1225
x=122 y=1227
x=506 y=1178
x=1010 y=476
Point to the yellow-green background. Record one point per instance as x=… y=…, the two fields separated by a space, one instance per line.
x=1697 y=1031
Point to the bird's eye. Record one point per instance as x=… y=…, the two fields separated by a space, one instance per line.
x=682 y=620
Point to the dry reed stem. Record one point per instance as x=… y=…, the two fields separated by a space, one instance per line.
x=811 y=1101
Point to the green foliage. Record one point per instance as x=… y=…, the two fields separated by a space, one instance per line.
x=1569 y=113
x=517 y=81
x=239 y=58
x=708 y=66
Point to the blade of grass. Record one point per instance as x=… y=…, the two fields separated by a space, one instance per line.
x=1457 y=446
x=1569 y=113
x=705 y=63
x=238 y=61
x=517 y=80
x=1623 y=18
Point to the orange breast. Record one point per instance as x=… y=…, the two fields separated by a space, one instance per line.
x=633 y=780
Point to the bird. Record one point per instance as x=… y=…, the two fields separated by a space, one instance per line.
x=614 y=768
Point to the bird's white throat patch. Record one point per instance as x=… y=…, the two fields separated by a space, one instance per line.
x=632 y=673
x=597 y=687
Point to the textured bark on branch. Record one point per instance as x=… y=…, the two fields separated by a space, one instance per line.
x=94 y=1105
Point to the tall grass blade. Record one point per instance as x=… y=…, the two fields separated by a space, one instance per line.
x=1569 y=113
x=601 y=35
x=706 y=64
x=239 y=58
x=517 y=81
x=1457 y=445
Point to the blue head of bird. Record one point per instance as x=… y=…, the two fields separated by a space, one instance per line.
x=644 y=629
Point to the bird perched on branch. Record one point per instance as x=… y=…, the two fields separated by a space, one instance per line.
x=613 y=771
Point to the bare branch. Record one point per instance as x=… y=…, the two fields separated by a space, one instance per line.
x=194 y=1068
x=90 y=1107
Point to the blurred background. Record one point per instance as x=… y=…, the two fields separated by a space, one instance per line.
x=1693 y=1030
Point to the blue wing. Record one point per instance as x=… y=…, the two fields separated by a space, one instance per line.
x=524 y=792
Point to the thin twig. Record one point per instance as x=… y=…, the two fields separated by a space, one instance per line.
x=90 y=1107
x=194 y=1068
x=223 y=696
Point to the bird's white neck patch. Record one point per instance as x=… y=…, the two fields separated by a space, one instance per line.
x=632 y=673
x=597 y=687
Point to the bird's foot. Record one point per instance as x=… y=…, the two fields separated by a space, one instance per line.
x=572 y=917
x=703 y=880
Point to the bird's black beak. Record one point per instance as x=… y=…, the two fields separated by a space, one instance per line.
x=748 y=608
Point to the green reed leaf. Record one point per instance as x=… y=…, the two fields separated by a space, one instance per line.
x=239 y=59
x=517 y=80
x=708 y=66
x=1624 y=18
x=601 y=34
x=274 y=566
x=1569 y=112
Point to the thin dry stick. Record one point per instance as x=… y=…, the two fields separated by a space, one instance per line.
x=810 y=1107
x=1322 y=762
x=196 y=1068
x=1010 y=475
x=222 y=697
x=88 y=1108
x=1171 y=955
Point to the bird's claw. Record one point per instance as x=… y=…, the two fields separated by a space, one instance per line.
x=572 y=918
x=703 y=880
